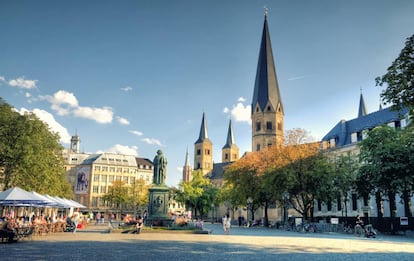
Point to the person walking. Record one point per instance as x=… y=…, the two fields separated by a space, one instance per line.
x=224 y=223
x=75 y=219
x=228 y=224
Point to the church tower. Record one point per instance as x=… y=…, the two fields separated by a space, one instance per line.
x=75 y=143
x=187 y=176
x=230 y=151
x=362 y=110
x=267 y=109
x=203 y=150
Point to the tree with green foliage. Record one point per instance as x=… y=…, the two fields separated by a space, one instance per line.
x=197 y=194
x=387 y=167
x=400 y=79
x=31 y=154
x=138 y=193
x=346 y=169
x=118 y=195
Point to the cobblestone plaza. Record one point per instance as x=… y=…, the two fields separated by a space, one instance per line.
x=94 y=243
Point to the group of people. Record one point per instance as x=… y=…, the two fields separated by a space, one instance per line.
x=8 y=229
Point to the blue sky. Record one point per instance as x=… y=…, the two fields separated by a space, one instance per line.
x=136 y=76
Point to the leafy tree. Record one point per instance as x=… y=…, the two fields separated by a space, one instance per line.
x=117 y=195
x=31 y=154
x=139 y=193
x=386 y=155
x=400 y=79
x=197 y=194
x=244 y=178
x=346 y=169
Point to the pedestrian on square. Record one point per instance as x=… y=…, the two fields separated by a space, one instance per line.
x=224 y=223
x=228 y=224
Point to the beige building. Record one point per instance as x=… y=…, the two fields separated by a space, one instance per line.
x=91 y=175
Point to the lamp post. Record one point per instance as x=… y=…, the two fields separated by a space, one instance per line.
x=212 y=213
x=285 y=207
x=249 y=207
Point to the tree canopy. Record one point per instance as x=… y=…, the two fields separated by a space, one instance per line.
x=31 y=154
x=400 y=79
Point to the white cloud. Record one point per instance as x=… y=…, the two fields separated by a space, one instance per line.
x=127 y=89
x=152 y=141
x=2 y=79
x=54 y=126
x=239 y=112
x=137 y=133
x=22 y=83
x=65 y=103
x=122 y=121
x=180 y=169
x=122 y=149
x=100 y=115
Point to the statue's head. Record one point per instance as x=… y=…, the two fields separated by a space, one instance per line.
x=159 y=152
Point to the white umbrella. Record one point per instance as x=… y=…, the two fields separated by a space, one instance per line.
x=18 y=196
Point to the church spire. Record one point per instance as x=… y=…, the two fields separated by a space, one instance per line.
x=230 y=137
x=267 y=108
x=362 y=111
x=203 y=130
x=230 y=151
x=187 y=176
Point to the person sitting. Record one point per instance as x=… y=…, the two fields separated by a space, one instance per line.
x=139 y=225
x=8 y=228
x=359 y=226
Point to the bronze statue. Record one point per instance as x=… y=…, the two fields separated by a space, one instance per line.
x=160 y=164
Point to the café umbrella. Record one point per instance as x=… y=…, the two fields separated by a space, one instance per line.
x=20 y=197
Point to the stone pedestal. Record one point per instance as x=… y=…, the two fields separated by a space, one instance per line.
x=158 y=206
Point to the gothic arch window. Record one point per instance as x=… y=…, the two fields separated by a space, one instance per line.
x=258 y=126
x=269 y=108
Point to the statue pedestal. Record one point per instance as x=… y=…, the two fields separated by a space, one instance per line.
x=158 y=206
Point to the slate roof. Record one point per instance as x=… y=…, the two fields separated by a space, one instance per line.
x=203 y=131
x=266 y=87
x=230 y=137
x=218 y=170
x=343 y=130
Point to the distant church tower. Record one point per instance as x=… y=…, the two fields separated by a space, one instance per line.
x=267 y=109
x=230 y=151
x=75 y=143
x=362 y=110
x=203 y=150
x=187 y=176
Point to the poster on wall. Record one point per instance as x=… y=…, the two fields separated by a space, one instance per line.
x=82 y=180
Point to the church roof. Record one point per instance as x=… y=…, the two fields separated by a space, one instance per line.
x=230 y=137
x=266 y=87
x=218 y=170
x=362 y=110
x=343 y=130
x=203 y=131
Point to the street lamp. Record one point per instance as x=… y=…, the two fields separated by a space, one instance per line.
x=212 y=213
x=285 y=207
x=249 y=207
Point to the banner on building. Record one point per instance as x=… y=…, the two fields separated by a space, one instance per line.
x=82 y=180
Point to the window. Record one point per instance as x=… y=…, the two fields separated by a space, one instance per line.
x=95 y=189
x=97 y=168
x=96 y=178
x=258 y=147
x=269 y=108
x=226 y=156
x=126 y=180
x=354 y=202
x=339 y=203
x=207 y=151
x=94 y=201
x=269 y=125
x=111 y=169
x=111 y=178
x=103 y=178
x=279 y=126
x=118 y=169
x=198 y=152
x=103 y=189
x=258 y=126
x=104 y=168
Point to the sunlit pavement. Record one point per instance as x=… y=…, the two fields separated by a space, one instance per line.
x=94 y=243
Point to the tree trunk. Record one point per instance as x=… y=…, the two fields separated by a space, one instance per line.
x=407 y=203
x=266 y=217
